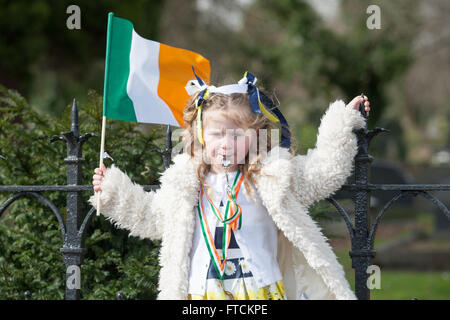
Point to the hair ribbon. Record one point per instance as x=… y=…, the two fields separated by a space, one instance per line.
x=259 y=102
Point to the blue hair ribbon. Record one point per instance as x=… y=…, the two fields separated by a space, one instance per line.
x=200 y=99
x=258 y=101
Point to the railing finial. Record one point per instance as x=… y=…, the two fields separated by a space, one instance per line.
x=75 y=125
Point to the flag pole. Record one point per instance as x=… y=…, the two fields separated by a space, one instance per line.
x=105 y=92
x=102 y=150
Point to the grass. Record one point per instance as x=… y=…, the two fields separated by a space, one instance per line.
x=405 y=285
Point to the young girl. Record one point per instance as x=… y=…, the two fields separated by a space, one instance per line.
x=234 y=223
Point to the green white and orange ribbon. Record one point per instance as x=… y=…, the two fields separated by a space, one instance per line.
x=231 y=220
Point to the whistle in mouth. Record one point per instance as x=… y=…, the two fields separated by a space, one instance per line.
x=225 y=162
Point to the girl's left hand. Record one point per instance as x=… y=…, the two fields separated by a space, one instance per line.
x=357 y=101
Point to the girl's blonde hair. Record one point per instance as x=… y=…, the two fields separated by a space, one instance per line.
x=235 y=107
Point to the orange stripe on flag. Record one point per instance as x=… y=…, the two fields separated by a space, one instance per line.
x=175 y=70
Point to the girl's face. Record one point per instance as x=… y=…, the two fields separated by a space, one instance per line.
x=223 y=137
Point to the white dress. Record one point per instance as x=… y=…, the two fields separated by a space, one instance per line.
x=238 y=282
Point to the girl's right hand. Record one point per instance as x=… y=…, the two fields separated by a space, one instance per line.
x=98 y=177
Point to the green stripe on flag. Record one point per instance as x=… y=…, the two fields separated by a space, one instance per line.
x=116 y=103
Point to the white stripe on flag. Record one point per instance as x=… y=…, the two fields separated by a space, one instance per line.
x=143 y=83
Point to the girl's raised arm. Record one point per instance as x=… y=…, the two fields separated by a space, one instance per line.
x=324 y=169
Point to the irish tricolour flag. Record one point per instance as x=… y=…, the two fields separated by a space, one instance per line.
x=145 y=80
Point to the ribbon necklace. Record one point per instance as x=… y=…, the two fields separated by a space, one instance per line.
x=231 y=221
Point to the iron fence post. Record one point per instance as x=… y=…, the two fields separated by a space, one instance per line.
x=362 y=251
x=359 y=254
x=72 y=249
